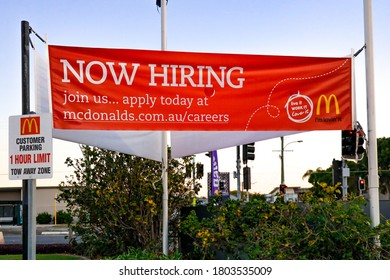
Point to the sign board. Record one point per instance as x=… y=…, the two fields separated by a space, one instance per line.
x=122 y=99
x=30 y=147
x=224 y=184
x=124 y=89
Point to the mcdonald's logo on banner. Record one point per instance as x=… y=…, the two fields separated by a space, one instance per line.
x=327 y=104
x=30 y=125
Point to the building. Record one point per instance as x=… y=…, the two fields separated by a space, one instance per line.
x=292 y=194
x=11 y=203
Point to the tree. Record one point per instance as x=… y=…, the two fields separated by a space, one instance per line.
x=117 y=200
x=358 y=169
x=383 y=145
x=318 y=176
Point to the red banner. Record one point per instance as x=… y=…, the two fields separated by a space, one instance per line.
x=121 y=89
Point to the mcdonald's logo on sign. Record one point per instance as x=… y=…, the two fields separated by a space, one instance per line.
x=31 y=125
x=327 y=104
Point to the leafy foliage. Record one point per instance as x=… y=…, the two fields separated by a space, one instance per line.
x=322 y=227
x=138 y=254
x=117 y=200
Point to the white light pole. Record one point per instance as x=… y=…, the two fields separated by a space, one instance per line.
x=164 y=144
x=373 y=177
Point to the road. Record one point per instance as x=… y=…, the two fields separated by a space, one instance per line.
x=45 y=234
x=41 y=239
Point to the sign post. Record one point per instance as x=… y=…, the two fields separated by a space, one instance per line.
x=28 y=185
x=30 y=158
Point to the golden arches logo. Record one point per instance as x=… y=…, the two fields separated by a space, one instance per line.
x=30 y=126
x=327 y=104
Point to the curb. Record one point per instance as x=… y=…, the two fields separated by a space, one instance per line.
x=54 y=232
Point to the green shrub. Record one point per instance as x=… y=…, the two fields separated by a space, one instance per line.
x=138 y=254
x=44 y=218
x=320 y=227
x=63 y=217
x=15 y=249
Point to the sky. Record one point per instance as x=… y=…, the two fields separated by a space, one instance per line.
x=323 y=28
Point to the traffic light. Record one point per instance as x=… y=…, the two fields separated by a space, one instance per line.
x=362 y=184
x=248 y=152
x=199 y=170
x=352 y=144
x=337 y=172
x=282 y=188
x=348 y=144
x=247 y=178
x=360 y=150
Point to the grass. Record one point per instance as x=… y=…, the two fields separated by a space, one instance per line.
x=43 y=257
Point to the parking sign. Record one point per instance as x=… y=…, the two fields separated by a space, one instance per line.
x=30 y=147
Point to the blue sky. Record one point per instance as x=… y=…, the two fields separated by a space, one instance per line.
x=303 y=28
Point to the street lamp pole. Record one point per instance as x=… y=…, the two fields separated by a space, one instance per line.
x=282 y=150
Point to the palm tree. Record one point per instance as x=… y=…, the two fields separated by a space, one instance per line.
x=315 y=177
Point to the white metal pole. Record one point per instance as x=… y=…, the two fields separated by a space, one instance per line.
x=163 y=25
x=373 y=178
x=164 y=144
x=353 y=89
x=282 y=160
x=238 y=161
